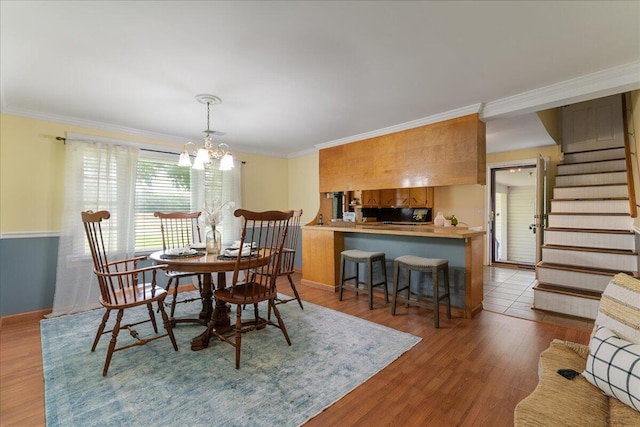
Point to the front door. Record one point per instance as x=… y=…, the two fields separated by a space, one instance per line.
x=513 y=230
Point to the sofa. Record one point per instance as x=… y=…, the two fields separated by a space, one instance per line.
x=606 y=389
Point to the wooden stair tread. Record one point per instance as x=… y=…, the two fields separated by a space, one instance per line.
x=592 y=161
x=582 y=293
x=583 y=249
x=590 y=213
x=600 y=271
x=590 y=173
x=589 y=230
x=613 y=147
x=590 y=199
x=590 y=185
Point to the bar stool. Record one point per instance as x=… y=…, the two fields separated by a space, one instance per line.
x=367 y=258
x=425 y=265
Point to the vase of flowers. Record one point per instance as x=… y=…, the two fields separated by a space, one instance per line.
x=213 y=215
x=214 y=241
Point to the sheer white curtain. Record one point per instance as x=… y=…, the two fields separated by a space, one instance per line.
x=98 y=176
x=222 y=185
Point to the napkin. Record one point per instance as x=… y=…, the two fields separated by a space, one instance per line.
x=180 y=251
x=230 y=252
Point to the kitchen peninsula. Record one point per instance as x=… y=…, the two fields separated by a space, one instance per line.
x=398 y=171
x=462 y=247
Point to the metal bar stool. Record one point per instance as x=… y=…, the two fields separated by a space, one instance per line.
x=367 y=258
x=425 y=265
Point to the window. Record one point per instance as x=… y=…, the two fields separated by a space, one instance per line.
x=162 y=185
x=131 y=183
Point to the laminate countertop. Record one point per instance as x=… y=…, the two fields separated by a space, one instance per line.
x=402 y=229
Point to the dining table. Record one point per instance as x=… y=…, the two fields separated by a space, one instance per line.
x=207 y=264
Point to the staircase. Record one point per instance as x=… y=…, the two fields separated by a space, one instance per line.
x=589 y=237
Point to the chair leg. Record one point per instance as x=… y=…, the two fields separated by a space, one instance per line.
x=167 y=324
x=396 y=268
x=112 y=343
x=384 y=278
x=280 y=321
x=295 y=291
x=341 y=279
x=238 y=334
x=370 y=283
x=103 y=323
x=408 y=287
x=436 y=298
x=152 y=316
x=175 y=296
x=447 y=290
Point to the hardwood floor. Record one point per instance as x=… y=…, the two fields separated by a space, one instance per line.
x=470 y=372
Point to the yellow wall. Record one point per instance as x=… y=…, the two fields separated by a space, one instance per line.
x=265 y=184
x=32 y=174
x=304 y=185
x=466 y=202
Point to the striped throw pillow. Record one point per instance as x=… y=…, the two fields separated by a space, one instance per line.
x=619 y=308
x=613 y=365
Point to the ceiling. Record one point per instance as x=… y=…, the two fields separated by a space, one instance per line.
x=297 y=76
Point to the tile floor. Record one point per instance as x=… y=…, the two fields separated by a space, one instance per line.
x=510 y=291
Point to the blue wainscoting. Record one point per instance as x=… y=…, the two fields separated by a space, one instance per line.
x=27 y=274
x=394 y=246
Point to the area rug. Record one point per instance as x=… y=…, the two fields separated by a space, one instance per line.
x=152 y=385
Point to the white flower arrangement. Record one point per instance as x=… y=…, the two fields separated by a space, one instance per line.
x=212 y=215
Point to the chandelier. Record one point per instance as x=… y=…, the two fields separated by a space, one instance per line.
x=208 y=152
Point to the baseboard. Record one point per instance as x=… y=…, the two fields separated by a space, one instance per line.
x=318 y=285
x=23 y=317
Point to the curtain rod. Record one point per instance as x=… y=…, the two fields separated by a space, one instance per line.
x=64 y=141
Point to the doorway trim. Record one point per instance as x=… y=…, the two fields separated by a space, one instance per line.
x=487 y=203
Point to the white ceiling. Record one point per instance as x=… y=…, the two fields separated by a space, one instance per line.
x=297 y=76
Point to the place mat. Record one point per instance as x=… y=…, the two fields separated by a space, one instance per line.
x=226 y=257
x=170 y=256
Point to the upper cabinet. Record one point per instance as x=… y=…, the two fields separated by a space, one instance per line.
x=593 y=125
x=421 y=197
x=371 y=198
x=451 y=152
x=394 y=198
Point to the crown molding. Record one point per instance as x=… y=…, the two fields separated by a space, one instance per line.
x=302 y=153
x=56 y=118
x=452 y=114
x=596 y=85
x=125 y=131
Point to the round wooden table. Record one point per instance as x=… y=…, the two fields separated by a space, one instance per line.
x=207 y=264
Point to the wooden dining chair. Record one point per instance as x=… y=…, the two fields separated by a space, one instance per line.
x=289 y=257
x=255 y=274
x=123 y=285
x=179 y=230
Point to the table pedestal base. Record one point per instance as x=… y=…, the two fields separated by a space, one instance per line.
x=217 y=318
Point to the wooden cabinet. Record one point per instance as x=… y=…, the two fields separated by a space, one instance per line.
x=421 y=197
x=451 y=152
x=370 y=198
x=394 y=198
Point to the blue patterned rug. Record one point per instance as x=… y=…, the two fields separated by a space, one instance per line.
x=152 y=385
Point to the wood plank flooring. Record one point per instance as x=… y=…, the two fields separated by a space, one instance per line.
x=470 y=372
